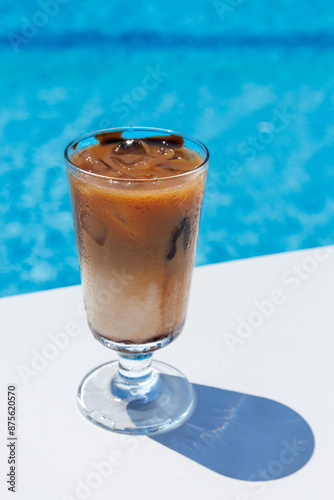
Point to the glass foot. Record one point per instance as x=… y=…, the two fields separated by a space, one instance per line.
x=168 y=401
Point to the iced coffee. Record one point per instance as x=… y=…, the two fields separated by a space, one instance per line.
x=136 y=204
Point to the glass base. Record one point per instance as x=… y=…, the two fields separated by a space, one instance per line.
x=167 y=404
x=130 y=348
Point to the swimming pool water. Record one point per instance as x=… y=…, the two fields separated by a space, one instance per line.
x=254 y=83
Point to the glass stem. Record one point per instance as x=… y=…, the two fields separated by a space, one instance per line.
x=136 y=378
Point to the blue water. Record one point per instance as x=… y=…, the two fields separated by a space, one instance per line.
x=253 y=80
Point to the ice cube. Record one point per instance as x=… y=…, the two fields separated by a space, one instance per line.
x=182 y=155
x=93 y=164
x=184 y=227
x=132 y=147
x=122 y=168
x=131 y=165
x=168 y=169
x=168 y=153
x=95 y=227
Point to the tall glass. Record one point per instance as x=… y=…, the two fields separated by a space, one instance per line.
x=136 y=240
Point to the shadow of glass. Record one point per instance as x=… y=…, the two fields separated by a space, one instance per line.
x=242 y=436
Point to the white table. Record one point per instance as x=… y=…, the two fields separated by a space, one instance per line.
x=286 y=357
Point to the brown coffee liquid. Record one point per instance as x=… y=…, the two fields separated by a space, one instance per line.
x=136 y=239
